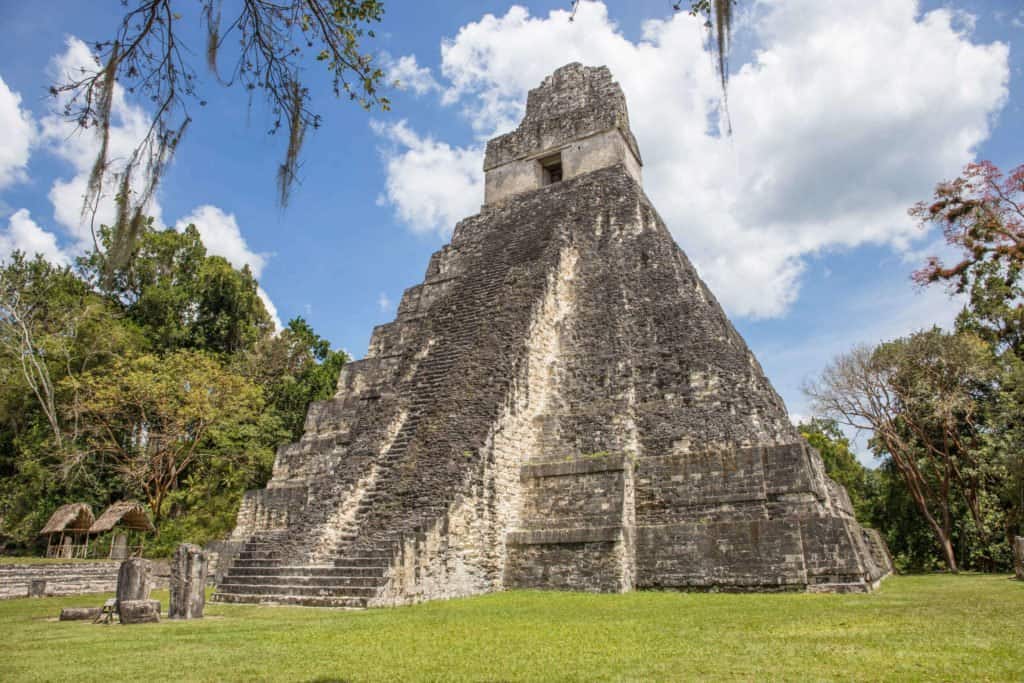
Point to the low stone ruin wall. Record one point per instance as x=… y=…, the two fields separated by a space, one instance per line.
x=68 y=578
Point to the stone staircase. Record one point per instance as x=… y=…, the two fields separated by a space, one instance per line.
x=261 y=575
x=372 y=521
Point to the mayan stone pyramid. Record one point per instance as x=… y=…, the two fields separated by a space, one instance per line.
x=562 y=404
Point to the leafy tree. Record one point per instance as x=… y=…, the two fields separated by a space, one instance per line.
x=180 y=296
x=268 y=44
x=922 y=398
x=1004 y=441
x=294 y=368
x=153 y=417
x=156 y=289
x=204 y=506
x=230 y=316
x=894 y=512
x=163 y=379
x=52 y=328
x=981 y=214
x=840 y=462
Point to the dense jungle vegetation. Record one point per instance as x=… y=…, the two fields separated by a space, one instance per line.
x=161 y=380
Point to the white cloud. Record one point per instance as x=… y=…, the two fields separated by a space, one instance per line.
x=431 y=184
x=222 y=237
x=271 y=308
x=849 y=112
x=18 y=136
x=409 y=75
x=384 y=303
x=79 y=148
x=24 y=234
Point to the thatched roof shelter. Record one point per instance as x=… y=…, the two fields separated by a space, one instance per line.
x=73 y=518
x=128 y=514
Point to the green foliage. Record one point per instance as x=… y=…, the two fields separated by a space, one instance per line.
x=180 y=296
x=52 y=327
x=1004 y=439
x=924 y=398
x=230 y=316
x=981 y=215
x=152 y=418
x=161 y=380
x=917 y=628
x=840 y=462
x=294 y=368
x=894 y=512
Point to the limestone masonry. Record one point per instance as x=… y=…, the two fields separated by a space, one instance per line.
x=562 y=403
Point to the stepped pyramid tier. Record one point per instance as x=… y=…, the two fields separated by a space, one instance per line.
x=561 y=403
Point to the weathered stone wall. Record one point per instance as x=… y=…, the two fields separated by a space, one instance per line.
x=571 y=104
x=73 y=578
x=465 y=552
x=221 y=554
x=597 y=151
x=270 y=508
x=574 y=533
x=573 y=562
x=561 y=403
x=69 y=578
x=577 y=112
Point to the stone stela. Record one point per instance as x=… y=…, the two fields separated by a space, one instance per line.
x=560 y=404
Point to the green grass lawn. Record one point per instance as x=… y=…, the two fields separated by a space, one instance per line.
x=966 y=628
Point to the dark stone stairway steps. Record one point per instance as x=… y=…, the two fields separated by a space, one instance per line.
x=304 y=601
x=324 y=571
x=301 y=591
x=340 y=581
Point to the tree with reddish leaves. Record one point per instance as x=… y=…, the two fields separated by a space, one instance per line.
x=981 y=214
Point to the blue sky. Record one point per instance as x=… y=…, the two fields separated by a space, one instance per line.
x=844 y=113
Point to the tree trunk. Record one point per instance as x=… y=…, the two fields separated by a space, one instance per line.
x=913 y=485
x=947 y=550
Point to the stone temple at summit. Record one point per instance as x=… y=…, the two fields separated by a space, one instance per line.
x=560 y=404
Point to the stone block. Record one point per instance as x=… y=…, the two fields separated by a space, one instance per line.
x=80 y=613
x=139 y=611
x=188 y=582
x=37 y=588
x=133 y=582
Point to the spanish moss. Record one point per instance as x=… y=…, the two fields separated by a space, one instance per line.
x=286 y=172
